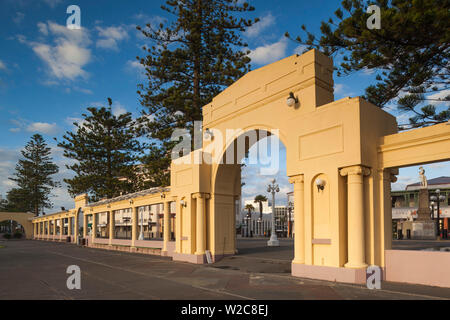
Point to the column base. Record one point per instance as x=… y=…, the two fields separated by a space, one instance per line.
x=336 y=274
x=350 y=265
x=273 y=243
x=191 y=258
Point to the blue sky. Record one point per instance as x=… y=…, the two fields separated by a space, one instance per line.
x=50 y=74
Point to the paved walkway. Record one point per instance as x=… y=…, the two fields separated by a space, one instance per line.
x=37 y=270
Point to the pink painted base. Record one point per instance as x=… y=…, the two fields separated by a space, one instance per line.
x=419 y=267
x=191 y=258
x=346 y=275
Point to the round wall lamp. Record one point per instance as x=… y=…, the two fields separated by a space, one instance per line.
x=291 y=100
x=320 y=183
x=208 y=135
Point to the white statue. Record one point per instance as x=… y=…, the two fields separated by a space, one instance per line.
x=423 y=178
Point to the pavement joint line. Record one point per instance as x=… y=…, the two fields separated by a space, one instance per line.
x=258 y=258
x=61 y=293
x=120 y=286
x=153 y=276
x=331 y=283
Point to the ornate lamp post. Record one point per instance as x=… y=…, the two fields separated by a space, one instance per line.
x=273 y=188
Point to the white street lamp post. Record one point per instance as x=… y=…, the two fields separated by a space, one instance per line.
x=273 y=242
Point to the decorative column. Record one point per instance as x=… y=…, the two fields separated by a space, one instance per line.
x=158 y=227
x=200 y=223
x=54 y=229
x=69 y=226
x=112 y=225
x=299 y=218
x=355 y=215
x=94 y=226
x=166 y=226
x=134 y=225
x=61 y=228
x=385 y=178
x=179 y=209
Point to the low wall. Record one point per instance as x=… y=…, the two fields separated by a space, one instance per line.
x=152 y=251
x=419 y=267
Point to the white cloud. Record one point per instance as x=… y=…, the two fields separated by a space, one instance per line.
x=42 y=127
x=8 y=160
x=110 y=36
x=118 y=109
x=43 y=28
x=341 y=90
x=338 y=88
x=2 y=65
x=367 y=71
x=19 y=17
x=260 y=26
x=269 y=53
x=67 y=55
x=438 y=95
x=134 y=65
x=300 y=49
x=52 y=3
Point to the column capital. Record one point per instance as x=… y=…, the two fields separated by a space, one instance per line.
x=200 y=195
x=388 y=174
x=355 y=170
x=297 y=179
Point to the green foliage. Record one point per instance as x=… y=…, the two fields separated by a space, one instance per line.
x=7 y=236
x=410 y=52
x=249 y=209
x=190 y=60
x=105 y=151
x=33 y=178
x=17 y=235
x=260 y=199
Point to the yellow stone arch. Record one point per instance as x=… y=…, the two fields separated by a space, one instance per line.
x=350 y=144
x=25 y=219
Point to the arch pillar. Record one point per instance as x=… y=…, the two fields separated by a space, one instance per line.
x=85 y=225
x=200 y=230
x=112 y=225
x=134 y=225
x=166 y=227
x=299 y=218
x=355 y=215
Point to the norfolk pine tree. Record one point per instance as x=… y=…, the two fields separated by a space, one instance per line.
x=190 y=61
x=410 y=53
x=105 y=151
x=33 y=178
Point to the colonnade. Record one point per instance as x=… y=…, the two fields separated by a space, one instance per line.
x=54 y=227
x=134 y=224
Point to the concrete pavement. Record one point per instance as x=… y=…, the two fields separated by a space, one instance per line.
x=37 y=270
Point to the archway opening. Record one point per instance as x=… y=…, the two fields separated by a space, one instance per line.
x=80 y=221
x=241 y=188
x=421 y=193
x=10 y=229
